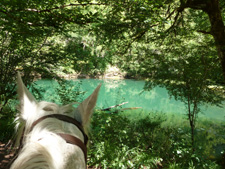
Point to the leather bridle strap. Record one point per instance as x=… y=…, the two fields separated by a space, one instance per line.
x=76 y=141
x=63 y=118
x=67 y=137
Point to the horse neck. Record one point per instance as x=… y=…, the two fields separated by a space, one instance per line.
x=49 y=151
x=32 y=155
x=42 y=145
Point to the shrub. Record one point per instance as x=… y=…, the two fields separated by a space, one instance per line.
x=121 y=142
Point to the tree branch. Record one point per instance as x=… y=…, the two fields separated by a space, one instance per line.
x=9 y=15
x=33 y=24
x=175 y=20
x=17 y=19
x=109 y=108
x=194 y=4
x=61 y=7
x=170 y=14
x=204 y=32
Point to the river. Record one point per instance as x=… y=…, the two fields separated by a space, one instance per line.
x=118 y=91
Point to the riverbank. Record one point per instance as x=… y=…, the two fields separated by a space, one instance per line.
x=111 y=72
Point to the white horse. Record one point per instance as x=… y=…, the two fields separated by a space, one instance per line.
x=52 y=136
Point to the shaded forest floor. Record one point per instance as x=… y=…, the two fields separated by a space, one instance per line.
x=6 y=156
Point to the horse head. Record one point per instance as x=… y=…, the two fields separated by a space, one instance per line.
x=51 y=135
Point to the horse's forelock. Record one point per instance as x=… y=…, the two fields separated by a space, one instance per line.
x=47 y=108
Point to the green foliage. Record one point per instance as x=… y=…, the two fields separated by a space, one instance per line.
x=160 y=40
x=7 y=121
x=68 y=92
x=121 y=142
x=30 y=43
x=188 y=75
x=175 y=57
x=124 y=151
x=81 y=56
x=60 y=92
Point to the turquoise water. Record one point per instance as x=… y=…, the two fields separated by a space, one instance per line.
x=118 y=91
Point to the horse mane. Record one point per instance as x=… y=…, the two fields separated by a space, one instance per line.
x=32 y=155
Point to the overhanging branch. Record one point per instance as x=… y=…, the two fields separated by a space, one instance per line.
x=204 y=32
x=61 y=7
x=175 y=20
x=194 y=4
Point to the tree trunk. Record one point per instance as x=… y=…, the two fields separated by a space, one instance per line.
x=193 y=136
x=217 y=29
x=212 y=8
x=191 y=115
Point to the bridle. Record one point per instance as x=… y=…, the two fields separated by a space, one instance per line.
x=67 y=137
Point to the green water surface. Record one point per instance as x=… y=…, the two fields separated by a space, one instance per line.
x=118 y=91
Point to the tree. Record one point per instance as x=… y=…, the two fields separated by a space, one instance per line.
x=217 y=29
x=168 y=42
x=28 y=30
x=189 y=76
x=135 y=21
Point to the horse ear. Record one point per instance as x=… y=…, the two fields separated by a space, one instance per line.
x=86 y=107
x=27 y=100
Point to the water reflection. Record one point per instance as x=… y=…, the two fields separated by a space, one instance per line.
x=117 y=91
